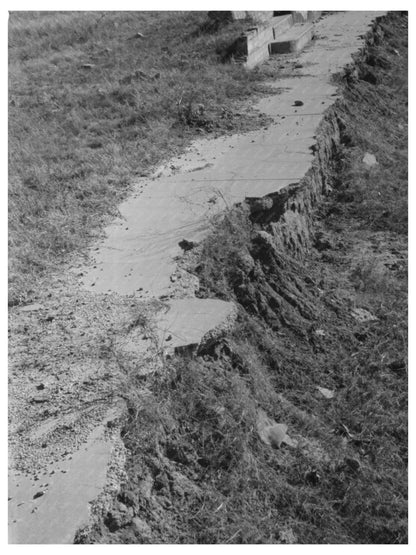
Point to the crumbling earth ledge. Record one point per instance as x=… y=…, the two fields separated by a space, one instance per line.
x=287 y=214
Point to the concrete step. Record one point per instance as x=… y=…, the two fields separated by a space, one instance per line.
x=253 y=45
x=304 y=17
x=293 y=40
x=281 y=24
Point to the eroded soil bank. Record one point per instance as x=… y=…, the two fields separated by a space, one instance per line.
x=319 y=275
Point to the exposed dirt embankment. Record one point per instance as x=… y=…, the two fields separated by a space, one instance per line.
x=292 y=427
x=288 y=214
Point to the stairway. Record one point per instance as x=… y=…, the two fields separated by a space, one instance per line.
x=281 y=34
x=293 y=40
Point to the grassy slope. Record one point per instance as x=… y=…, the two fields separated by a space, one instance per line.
x=91 y=108
x=198 y=471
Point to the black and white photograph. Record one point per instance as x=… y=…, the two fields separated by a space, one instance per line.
x=207 y=275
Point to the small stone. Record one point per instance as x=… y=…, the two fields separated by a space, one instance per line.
x=370 y=160
x=145 y=487
x=39 y=399
x=141 y=528
x=38 y=494
x=31 y=307
x=186 y=245
x=277 y=435
x=327 y=393
x=362 y=315
x=122 y=507
x=298 y=103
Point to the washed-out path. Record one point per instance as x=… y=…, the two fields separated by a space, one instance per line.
x=138 y=256
x=140 y=247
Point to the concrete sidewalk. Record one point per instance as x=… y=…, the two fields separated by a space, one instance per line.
x=140 y=247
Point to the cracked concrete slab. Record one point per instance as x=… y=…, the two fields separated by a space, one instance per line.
x=187 y=321
x=51 y=508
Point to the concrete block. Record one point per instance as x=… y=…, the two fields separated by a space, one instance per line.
x=239 y=15
x=256 y=16
x=256 y=44
x=314 y=16
x=303 y=17
x=185 y=322
x=258 y=39
x=300 y=17
x=293 y=40
x=282 y=24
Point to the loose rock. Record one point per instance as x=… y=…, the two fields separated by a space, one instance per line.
x=141 y=528
x=370 y=160
x=327 y=393
x=362 y=315
x=31 y=307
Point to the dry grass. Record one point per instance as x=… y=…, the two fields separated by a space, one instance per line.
x=93 y=105
x=377 y=122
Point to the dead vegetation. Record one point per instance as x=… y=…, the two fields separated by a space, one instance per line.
x=334 y=318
